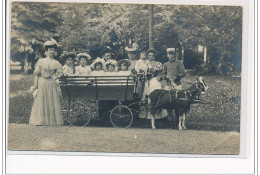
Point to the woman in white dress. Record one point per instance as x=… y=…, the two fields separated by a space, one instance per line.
x=155 y=69
x=132 y=50
x=46 y=109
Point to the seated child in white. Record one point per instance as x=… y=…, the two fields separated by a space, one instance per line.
x=83 y=68
x=123 y=66
x=97 y=67
x=110 y=67
x=69 y=60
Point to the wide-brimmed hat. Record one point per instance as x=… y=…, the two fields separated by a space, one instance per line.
x=132 y=48
x=123 y=61
x=65 y=55
x=98 y=60
x=151 y=50
x=79 y=55
x=50 y=43
x=110 y=62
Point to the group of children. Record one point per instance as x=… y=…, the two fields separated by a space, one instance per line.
x=81 y=64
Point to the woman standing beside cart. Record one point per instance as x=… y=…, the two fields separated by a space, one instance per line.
x=46 y=109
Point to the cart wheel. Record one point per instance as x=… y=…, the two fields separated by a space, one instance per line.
x=121 y=117
x=78 y=114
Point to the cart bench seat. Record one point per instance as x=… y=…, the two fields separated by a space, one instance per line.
x=97 y=87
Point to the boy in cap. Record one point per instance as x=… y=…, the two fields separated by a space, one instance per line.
x=173 y=69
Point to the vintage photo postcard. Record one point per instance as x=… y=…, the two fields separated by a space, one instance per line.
x=125 y=78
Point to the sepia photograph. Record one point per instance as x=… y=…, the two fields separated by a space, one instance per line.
x=124 y=78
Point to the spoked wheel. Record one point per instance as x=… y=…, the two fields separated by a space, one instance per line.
x=78 y=114
x=121 y=117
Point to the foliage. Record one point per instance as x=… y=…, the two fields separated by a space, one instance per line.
x=88 y=27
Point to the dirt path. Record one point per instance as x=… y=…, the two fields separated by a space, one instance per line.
x=100 y=139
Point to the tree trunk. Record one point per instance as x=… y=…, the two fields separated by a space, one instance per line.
x=205 y=54
x=151 y=9
x=26 y=63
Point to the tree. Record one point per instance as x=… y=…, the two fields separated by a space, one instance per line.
x=31 y=21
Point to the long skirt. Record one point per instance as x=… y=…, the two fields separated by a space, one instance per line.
x=150 y=86
x=46 y=109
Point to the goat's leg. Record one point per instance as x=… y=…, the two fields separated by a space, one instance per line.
x=153 y=122
x=180 y=121
x=152 y=115
x=183 y=121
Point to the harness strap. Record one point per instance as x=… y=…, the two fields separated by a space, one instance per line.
x=160 y=98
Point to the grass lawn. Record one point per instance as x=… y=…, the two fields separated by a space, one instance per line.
x=222 y=114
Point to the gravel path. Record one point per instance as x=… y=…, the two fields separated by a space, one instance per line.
x=101 y=139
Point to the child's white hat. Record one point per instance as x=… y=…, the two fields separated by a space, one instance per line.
x=98 y=60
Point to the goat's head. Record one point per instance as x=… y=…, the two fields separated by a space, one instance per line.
x=201 y=85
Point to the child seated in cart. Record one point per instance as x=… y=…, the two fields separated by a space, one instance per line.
x=68 y=59
x=110 y=67
x=98 y=67
x=83 y=68
x=123 y=67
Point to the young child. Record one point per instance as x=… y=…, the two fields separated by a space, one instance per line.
x=123 y=67
x=83 y=68
x=110 y=67
x=68 y=61
x=142 y=64
x=98 y=67
x=106 y=54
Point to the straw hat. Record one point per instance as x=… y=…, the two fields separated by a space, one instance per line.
x=65 y=55
x=125 y=61
x=79 y=55
x=50 y=43
x=110 y=62
x=98 y=60
x=132 y=48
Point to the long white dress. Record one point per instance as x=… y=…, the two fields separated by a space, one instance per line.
x=46 y=109
x=150 y=86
